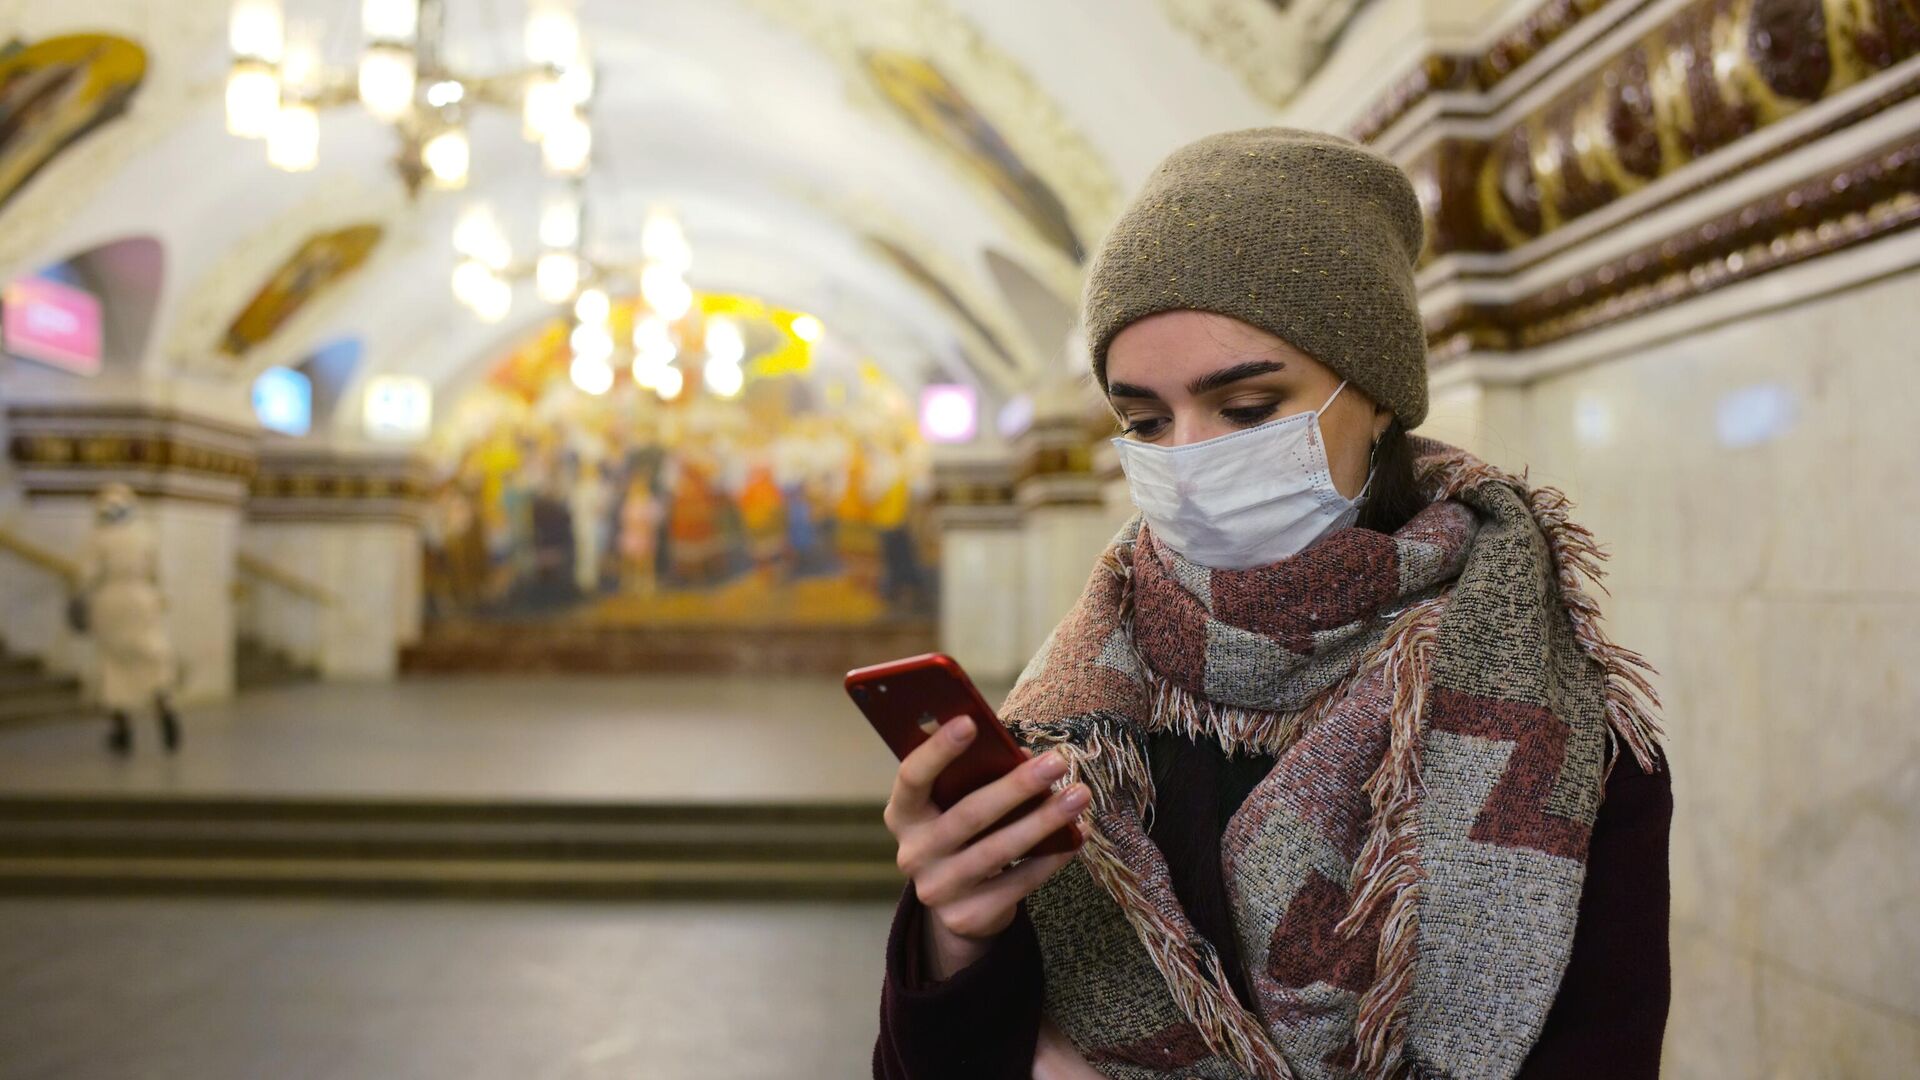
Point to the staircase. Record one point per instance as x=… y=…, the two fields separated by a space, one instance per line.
x=257 y=665
x=57 y=845
x=30 y=695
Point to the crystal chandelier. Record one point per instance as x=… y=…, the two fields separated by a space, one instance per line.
x=563 y=272
x=278 y=83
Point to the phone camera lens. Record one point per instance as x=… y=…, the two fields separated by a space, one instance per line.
x=860 y=694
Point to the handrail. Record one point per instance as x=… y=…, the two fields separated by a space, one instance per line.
x=293 y=583
x=45 y=558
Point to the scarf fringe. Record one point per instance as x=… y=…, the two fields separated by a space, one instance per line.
x=1632 y=704
x=1198 y=985
x=1388 y=873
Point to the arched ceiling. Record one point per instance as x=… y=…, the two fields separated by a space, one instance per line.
x=756 y=121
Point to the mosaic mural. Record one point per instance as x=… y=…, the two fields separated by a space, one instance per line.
x=802 y=500
x=319 y=264
x=55 y=91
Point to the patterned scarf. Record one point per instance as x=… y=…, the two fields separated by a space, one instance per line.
x=1443 y=708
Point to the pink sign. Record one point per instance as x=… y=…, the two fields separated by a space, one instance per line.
x=52 y=323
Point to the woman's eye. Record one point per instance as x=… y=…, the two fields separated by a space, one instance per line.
x=1145 y=428
x=1250 y=414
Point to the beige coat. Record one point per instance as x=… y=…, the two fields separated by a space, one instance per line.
x=126 y=615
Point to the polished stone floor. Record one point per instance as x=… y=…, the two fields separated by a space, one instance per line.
x=297 y=989
x=348 y=990
x=650 y=739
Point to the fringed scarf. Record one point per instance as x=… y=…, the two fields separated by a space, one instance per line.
x=1443 y=708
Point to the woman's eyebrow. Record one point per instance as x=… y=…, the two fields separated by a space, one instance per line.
x=1227 y=376
x=1128 y=390
x=1213 y=380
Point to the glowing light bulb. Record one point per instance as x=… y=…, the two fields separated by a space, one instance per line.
x=386 y=81
x=293 y=142
x=591 y=341
x=725 y=342
x=664 y=243
x=566 y=146
x=447 y=156
x=668 y=383
x=665 y=292
x=808 y=329
x=255 y=30
x=556 y=275
x=593 y=375
x=478 y=235
x=724 y=379
x=552 y=35
x=390 y=20
x=593 y=307
x=253 y=99
x=652 y=337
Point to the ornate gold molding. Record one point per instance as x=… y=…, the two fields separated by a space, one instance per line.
x=66 y=450
x=1872 y=196
x=1481 y=71
x=1713 y=74
x=297 y=484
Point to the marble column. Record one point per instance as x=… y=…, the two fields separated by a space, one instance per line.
x=191 y=471
x=332 y=556
x=982 y=567
x=1067 y=520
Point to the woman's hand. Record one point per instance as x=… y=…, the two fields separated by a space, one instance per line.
x=964 y=883
x=1055 y=1058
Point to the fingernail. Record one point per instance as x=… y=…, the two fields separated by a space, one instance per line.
x=1051 y=765
x=961 y=728
x=1076 y=797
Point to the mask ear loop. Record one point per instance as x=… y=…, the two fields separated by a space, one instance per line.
x=1373 y=457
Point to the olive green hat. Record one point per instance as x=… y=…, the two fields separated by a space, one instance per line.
x=1306 y=235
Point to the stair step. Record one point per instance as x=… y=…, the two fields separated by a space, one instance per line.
x=19 y=665
x=388 y=841
x=43 y=808
x=21 y=682
x=49 y=703
x=348 y=847
x=637 y=880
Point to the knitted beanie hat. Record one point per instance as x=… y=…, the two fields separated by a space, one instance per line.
x=1305 y=235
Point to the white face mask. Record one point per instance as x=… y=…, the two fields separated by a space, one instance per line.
x=1246 y=499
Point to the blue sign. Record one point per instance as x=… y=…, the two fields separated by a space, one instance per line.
x=283 y=400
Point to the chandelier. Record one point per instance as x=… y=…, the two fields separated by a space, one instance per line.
x=278 y=83
x=565 y=273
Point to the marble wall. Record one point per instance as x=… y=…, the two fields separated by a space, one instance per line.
x=370 y=572
x=1759 y=484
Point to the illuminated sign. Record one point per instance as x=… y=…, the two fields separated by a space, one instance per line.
x=949 y=413
x=283 y=400
x=398 y=408
x=52 y=323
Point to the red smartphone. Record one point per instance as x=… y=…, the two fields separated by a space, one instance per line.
x=907 y=700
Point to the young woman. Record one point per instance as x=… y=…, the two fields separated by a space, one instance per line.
x=127 y=617
x=1368 y=792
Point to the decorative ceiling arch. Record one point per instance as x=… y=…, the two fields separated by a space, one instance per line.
x=201 y=336
x=1272 y=45
x=1047 y=319
x=1041 y=141
x=32 y=217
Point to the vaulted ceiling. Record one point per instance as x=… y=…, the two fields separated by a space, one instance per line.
x=761 y=123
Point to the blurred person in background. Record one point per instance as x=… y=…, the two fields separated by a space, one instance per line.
x=126 y=616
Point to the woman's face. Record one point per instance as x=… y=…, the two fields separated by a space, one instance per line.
x=1184 y=377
